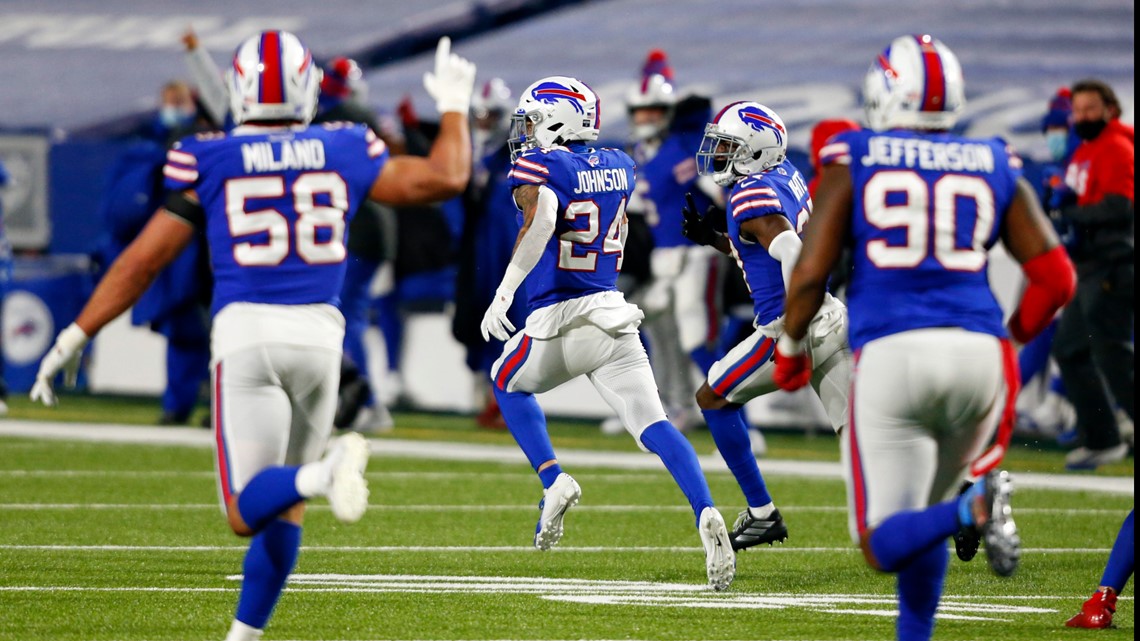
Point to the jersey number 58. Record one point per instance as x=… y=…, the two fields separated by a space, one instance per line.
x=310 y=217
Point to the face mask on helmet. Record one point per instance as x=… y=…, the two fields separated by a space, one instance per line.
x=745 y=138
x=915 y=83
x=554 y=111
x=273 y=78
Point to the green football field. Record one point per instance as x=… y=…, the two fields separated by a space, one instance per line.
x=124 y=541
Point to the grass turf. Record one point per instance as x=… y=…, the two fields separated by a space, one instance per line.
x=125 y=542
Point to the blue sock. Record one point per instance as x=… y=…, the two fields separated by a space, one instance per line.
x=270 y=559
x=730 y=433
x=527 y=425
x=920 y=588
x=269 y=493
x=1122 y=560
x=905 y=536
x=704 y=358
x=679 y=457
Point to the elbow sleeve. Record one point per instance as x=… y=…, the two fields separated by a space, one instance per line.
x=1052 y=284
x=785 y=247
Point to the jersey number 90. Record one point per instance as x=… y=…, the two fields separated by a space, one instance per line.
x=926 y=212
x=281 y=236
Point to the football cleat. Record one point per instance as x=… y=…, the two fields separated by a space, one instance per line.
x=348 y=490
x=1096 y=613
x=967 y=539
x=720 y=560
x=749 y=530
x=1003 y=545
x=562 y=495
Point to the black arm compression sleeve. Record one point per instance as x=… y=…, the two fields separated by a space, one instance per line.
x=192 y=212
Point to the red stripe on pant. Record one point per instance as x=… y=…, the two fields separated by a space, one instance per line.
x=993 y=456
x=729 y=380
x=513 y=363
x=859 y=491
x=219 y=438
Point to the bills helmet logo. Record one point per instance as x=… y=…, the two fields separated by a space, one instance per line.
x=552 y=92
x=760 y=121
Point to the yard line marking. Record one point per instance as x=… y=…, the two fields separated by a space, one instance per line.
x=528 y=507
x=474 y=548
x=455 y=451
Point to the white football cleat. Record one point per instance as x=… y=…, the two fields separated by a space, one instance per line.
x=562 y=495
x=348 y=490
x=720 y=560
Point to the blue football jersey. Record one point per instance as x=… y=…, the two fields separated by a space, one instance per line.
x=780 y=191
x=927 y=208
x=668 y=176
x=277 y=204
x=593 y=186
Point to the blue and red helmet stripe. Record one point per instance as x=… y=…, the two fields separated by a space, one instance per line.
x=934 y=87
x=272 y=87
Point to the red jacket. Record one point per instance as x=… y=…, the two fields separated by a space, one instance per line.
x=1104 y=165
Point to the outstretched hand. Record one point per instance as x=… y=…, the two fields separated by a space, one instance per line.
x=700 y=229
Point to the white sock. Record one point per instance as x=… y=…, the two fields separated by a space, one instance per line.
x=313 y=479
x=242 y=632
x=762 y=512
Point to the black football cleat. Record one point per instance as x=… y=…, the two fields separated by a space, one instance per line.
x=748 y=530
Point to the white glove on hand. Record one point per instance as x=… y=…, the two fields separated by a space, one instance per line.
x=453 y=80
x=495 y=322
x=64 y=355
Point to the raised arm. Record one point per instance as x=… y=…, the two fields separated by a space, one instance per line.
x=443 y=174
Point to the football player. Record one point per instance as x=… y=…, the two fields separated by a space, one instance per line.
x=572 y=198
x=1096 y=613
x=745 y=148
x=272 y=197
x=935 y=373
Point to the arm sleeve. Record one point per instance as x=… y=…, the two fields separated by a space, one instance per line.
x=208 y=77
x=1052 y=283
x=533 y=242
x=785 y=248
x=178 y=205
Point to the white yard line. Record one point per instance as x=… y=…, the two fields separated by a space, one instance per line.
x=505 y=508
x=478 y=548
x=197 y=437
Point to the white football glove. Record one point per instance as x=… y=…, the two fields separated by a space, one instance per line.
x=64 y=355
x=495 y=322
x=453 y=80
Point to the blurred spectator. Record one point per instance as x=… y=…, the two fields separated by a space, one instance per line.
x=423 y=273
x=490 y=227
x=371 y=242
x=1051 y=414
x=5 y=279
x=177 y=304
x=1093 y=345
x=682 y=302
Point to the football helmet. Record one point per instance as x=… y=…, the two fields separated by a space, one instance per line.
x=493 y=98
x=915 y=83
x=273 y=78
x=343 y=78
x=554 y=111
x=743 y=139
x=655 y=91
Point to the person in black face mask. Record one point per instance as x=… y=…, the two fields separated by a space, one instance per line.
x=1094 y=341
